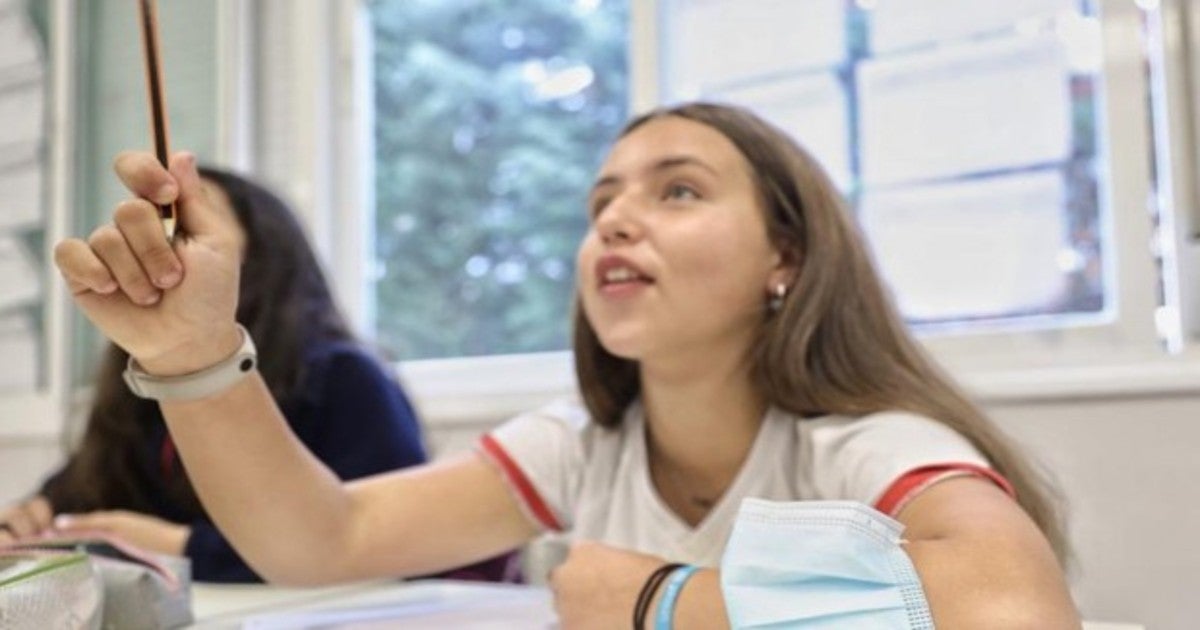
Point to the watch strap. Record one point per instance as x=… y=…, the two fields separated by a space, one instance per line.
x=211 y=380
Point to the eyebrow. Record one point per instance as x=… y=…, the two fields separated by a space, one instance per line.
x=664 y=164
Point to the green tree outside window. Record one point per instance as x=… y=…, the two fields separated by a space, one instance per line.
x=491 y=117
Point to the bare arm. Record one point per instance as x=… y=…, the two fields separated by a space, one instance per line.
x=295 y=522
x=982 y=561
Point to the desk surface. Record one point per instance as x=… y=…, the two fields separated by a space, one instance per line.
x=425 y=604
x=420 y=605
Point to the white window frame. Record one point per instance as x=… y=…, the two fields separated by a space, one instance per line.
x=1124 y=194
x=1187 y=77
x=38 y=415
x=1177 y=139
x=1122 y=358
x=296 y=114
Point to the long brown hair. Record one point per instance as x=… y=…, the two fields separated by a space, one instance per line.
x=837 y=344
x=285 y=304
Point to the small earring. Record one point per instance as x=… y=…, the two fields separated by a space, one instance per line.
x=776 y=301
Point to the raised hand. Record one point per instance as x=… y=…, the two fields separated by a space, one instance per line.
x=171 y=306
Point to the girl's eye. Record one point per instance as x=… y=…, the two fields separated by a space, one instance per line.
x=597 y=207
x=681 y=191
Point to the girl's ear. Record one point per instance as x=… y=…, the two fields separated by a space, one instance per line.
x=787 y=269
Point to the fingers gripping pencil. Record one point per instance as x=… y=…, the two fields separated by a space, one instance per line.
x=148 y=12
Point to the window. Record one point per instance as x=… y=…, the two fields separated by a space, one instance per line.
x=30 y=313
x=999 y=157
x=23 y=217
x=964 y=133
x=490 y=119
x=1173 y=28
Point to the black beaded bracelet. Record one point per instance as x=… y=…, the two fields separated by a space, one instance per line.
x=646 y=596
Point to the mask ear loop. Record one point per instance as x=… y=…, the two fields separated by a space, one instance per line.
x=776 y=301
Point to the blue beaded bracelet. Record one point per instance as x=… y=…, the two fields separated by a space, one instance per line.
x=666 y=607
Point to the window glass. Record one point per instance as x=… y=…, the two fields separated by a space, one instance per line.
x=24 y=87
x=490 y=119
x=964 y=134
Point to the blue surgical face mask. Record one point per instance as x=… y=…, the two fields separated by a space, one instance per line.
x=817 y=565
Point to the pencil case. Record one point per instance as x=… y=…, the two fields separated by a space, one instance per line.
x=49 y=589
x=139 y=589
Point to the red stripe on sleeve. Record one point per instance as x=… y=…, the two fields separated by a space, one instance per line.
x=913 y=482
x=524 y=487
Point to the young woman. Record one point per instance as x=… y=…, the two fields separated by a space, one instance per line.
x=740 y=366
x=125 y=477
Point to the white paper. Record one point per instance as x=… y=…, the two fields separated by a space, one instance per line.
x=709 y=44
x=21 y=114
x=965 y=109
x=973 y=248
x=19 y=43
x=20 y=282
x=21 y=197
x=813 y=110
x=18 y=347
x=428 y=606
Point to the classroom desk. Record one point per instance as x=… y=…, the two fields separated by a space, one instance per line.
x=420 y=605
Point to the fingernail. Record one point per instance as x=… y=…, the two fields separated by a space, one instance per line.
x=105 y=289
x=153 y=298
x=62 y=521
x=169 y=279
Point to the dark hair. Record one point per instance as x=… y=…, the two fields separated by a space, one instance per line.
x=285 y=303
x=837 y=344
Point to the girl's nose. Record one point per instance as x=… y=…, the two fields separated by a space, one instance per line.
x=617 y=224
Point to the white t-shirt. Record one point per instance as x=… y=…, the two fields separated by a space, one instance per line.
x=594 y=483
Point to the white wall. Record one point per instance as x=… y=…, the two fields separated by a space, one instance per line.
x=1129 y=467
x=23 y=463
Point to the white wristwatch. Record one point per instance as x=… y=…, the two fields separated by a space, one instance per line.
x=206 y=382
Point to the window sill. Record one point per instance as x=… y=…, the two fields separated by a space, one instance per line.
x=481 y=390
x=478 y=390
x=1150 y=376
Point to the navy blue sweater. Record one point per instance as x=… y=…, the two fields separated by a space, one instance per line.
x=351 y=414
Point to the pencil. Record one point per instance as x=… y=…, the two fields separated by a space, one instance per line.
x=148 y=10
